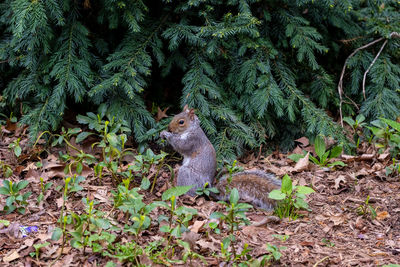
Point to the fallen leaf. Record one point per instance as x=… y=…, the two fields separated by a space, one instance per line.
x=303 y=140
x=302 y=164
x=196 y=226
x=382 y=215
x=161 y=113
x=341 y=178
x=13 y=255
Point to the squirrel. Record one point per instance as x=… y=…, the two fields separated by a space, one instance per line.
x=199 y=164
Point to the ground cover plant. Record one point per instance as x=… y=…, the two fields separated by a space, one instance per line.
x=305 y=89
x=335 y=217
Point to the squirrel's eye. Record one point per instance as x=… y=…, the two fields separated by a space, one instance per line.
x=181 y=122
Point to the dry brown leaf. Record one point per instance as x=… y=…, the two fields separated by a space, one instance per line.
x=303 y=163
x=196 y=226
x=382 y=215
x=303 y=140
x=337 y=219
x=13 y=255
x=161 y=113
x=297 y=150
x=341 y=178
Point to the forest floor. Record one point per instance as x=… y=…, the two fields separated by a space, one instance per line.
x=340 y=229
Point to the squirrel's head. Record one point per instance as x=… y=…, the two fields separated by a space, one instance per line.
x=183 y=120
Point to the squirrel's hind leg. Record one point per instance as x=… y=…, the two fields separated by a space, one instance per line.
x=182 y=180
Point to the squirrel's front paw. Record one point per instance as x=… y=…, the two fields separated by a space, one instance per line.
x=164 y=134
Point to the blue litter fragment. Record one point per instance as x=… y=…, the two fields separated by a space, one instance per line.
x=25 y=230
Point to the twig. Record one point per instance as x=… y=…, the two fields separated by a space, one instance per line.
x=372 y=63
x=321 y=260
x=340 y=84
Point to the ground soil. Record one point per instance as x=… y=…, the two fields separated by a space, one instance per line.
x=337 y=231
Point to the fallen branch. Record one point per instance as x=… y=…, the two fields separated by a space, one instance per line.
x=340 y=84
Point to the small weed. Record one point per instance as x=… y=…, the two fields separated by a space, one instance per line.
x=37 y=250
x=43 y=188
x=15 y=200
x=206 y=190
x=366 y=209
x=235 y=216
x=5 y=169
x=291 y=198
x=179 y=217
x=14 y=146
x=324 y=156
x=357 y=126
x=327 y=242
x=386 y=134
x=282 y=238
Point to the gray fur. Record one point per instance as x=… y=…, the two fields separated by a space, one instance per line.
x=195 y=170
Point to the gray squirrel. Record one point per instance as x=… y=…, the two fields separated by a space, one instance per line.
x=199 y=164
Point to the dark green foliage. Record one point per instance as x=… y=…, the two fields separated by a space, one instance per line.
x=254 y=70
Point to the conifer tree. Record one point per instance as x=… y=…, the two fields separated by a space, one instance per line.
x=255 y=70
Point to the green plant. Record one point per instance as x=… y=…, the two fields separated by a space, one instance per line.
x=235 y=216
x=206 y=190
x=357 y=125
x=76 y=159
x=179 y=216
x=189 y=254
x=290 y=198
x=282 y=238
x=113 y=136
x=87 y=228
x=327 y=242
x=324 y=156
x=5 y=169
x=128 y=252
x=275 y=252
x=43 y=189
x=37 y=249
x=393 y=169
x=386 y=134
x=131 y=202
x=366 y=209
x=15 y=200
x=14 y=146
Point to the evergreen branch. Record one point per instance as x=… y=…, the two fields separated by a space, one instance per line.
x=340 y=84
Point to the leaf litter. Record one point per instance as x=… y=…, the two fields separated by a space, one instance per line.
x=333 y=233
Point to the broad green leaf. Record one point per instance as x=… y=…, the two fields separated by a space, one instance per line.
x=276 y=194
x=175 y=191
x=296 y=157
x=286 y=185
x=4 y=191
x=234 y=196
x=217 y=215
x=17 y=151
x=394 y=124
x=319 y=145
x=304 y=190
x=82 y=136
x=337 y=163
x=22 y=184
x=145 y=184
x=335 y=152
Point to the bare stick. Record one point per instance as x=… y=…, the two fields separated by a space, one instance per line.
x=372 y=63
x=340 y=84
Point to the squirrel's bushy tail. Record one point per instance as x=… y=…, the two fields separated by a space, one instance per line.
x=253 y=186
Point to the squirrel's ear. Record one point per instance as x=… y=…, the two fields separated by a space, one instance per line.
x=186 y=108
x=191 y=114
